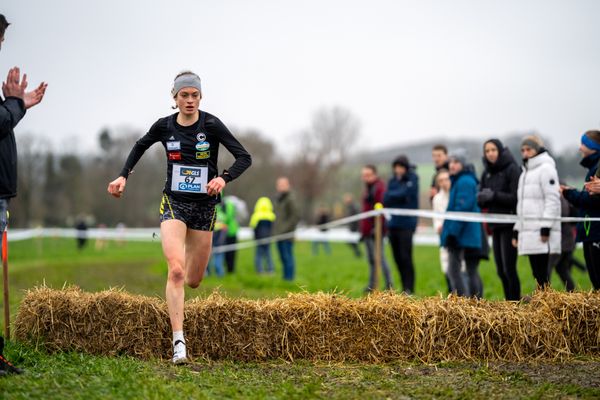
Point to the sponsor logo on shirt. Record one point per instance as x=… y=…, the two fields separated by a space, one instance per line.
x=201 y=137
x=202 y=155
x=190 y=187
x=174 y=155
x=202 y=146
x=189 y=172
x=173 y=145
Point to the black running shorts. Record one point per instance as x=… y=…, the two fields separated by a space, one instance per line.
x=195 y=215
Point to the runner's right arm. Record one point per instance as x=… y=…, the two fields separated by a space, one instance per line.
x=140 y=147
x=117 y=187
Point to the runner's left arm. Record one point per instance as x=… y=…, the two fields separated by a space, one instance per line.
x=243 y=160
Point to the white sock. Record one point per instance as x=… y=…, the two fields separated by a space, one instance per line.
x=178 y=335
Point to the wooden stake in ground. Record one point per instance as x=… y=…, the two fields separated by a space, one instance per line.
x=378 y=246
x=5 y=279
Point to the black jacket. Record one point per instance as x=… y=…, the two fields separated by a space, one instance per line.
x=502 y=178
x=587 y=204
x=11 y=111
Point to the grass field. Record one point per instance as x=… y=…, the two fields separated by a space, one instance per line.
x=139 y=268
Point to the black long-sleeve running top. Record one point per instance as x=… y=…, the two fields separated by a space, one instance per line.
x=192 y=153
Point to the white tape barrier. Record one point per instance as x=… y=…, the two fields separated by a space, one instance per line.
x=333 y=234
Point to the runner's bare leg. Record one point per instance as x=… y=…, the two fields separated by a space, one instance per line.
x=198 y=245
x=173 y=237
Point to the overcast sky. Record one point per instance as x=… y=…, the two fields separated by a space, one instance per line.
x=409 y=70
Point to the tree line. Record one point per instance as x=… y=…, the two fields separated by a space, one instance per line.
x=56 y=188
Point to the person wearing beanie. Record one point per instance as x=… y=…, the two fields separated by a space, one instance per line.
x=191 y=139
x=403 y=193
x=498 y=195
x=538 y=201
x=463 y=239
x=588 y=205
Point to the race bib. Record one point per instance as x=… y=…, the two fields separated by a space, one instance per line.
x=189 y=179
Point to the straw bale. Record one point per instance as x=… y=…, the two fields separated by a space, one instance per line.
x=320 y=327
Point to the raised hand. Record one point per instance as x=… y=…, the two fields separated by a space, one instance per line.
x=14 y=86
x=35 y=96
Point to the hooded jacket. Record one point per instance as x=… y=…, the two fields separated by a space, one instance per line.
x=502 y=178
x=538 y=197
x=588 y=205
x=463 y=197
x=262 y=218
x=403 y=193
x=12 y=109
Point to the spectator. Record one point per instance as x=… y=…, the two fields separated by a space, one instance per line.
x=538 y=200
x=440 y=204
x=287 y=219
x=403 y=193
x=562 y=263
x=352 y=209
x=262 y=223
x=589 y=206
x=81 y=229
x=12 y=109
x=373 y=194
x=439 y=155
x=233 y=226
x=463 y=239
x=322 y=218
x=498 y=195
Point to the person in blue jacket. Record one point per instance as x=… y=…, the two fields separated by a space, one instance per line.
x=589 y=206
x=463 y=239
x=403 y=192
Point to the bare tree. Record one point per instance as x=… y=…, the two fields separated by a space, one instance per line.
x=323 y=149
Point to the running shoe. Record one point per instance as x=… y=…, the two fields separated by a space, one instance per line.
x=179 y=353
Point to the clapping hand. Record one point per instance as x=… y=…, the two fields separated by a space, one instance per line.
x=15 y=87
x=35 y=96
x=593 y=186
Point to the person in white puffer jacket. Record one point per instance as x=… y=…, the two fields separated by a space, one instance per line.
x=538 y=198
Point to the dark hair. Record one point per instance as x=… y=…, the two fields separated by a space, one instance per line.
x=401 y=160
x=371 y=167
x=594 y=135
x=3 y=25
x=440 y=147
